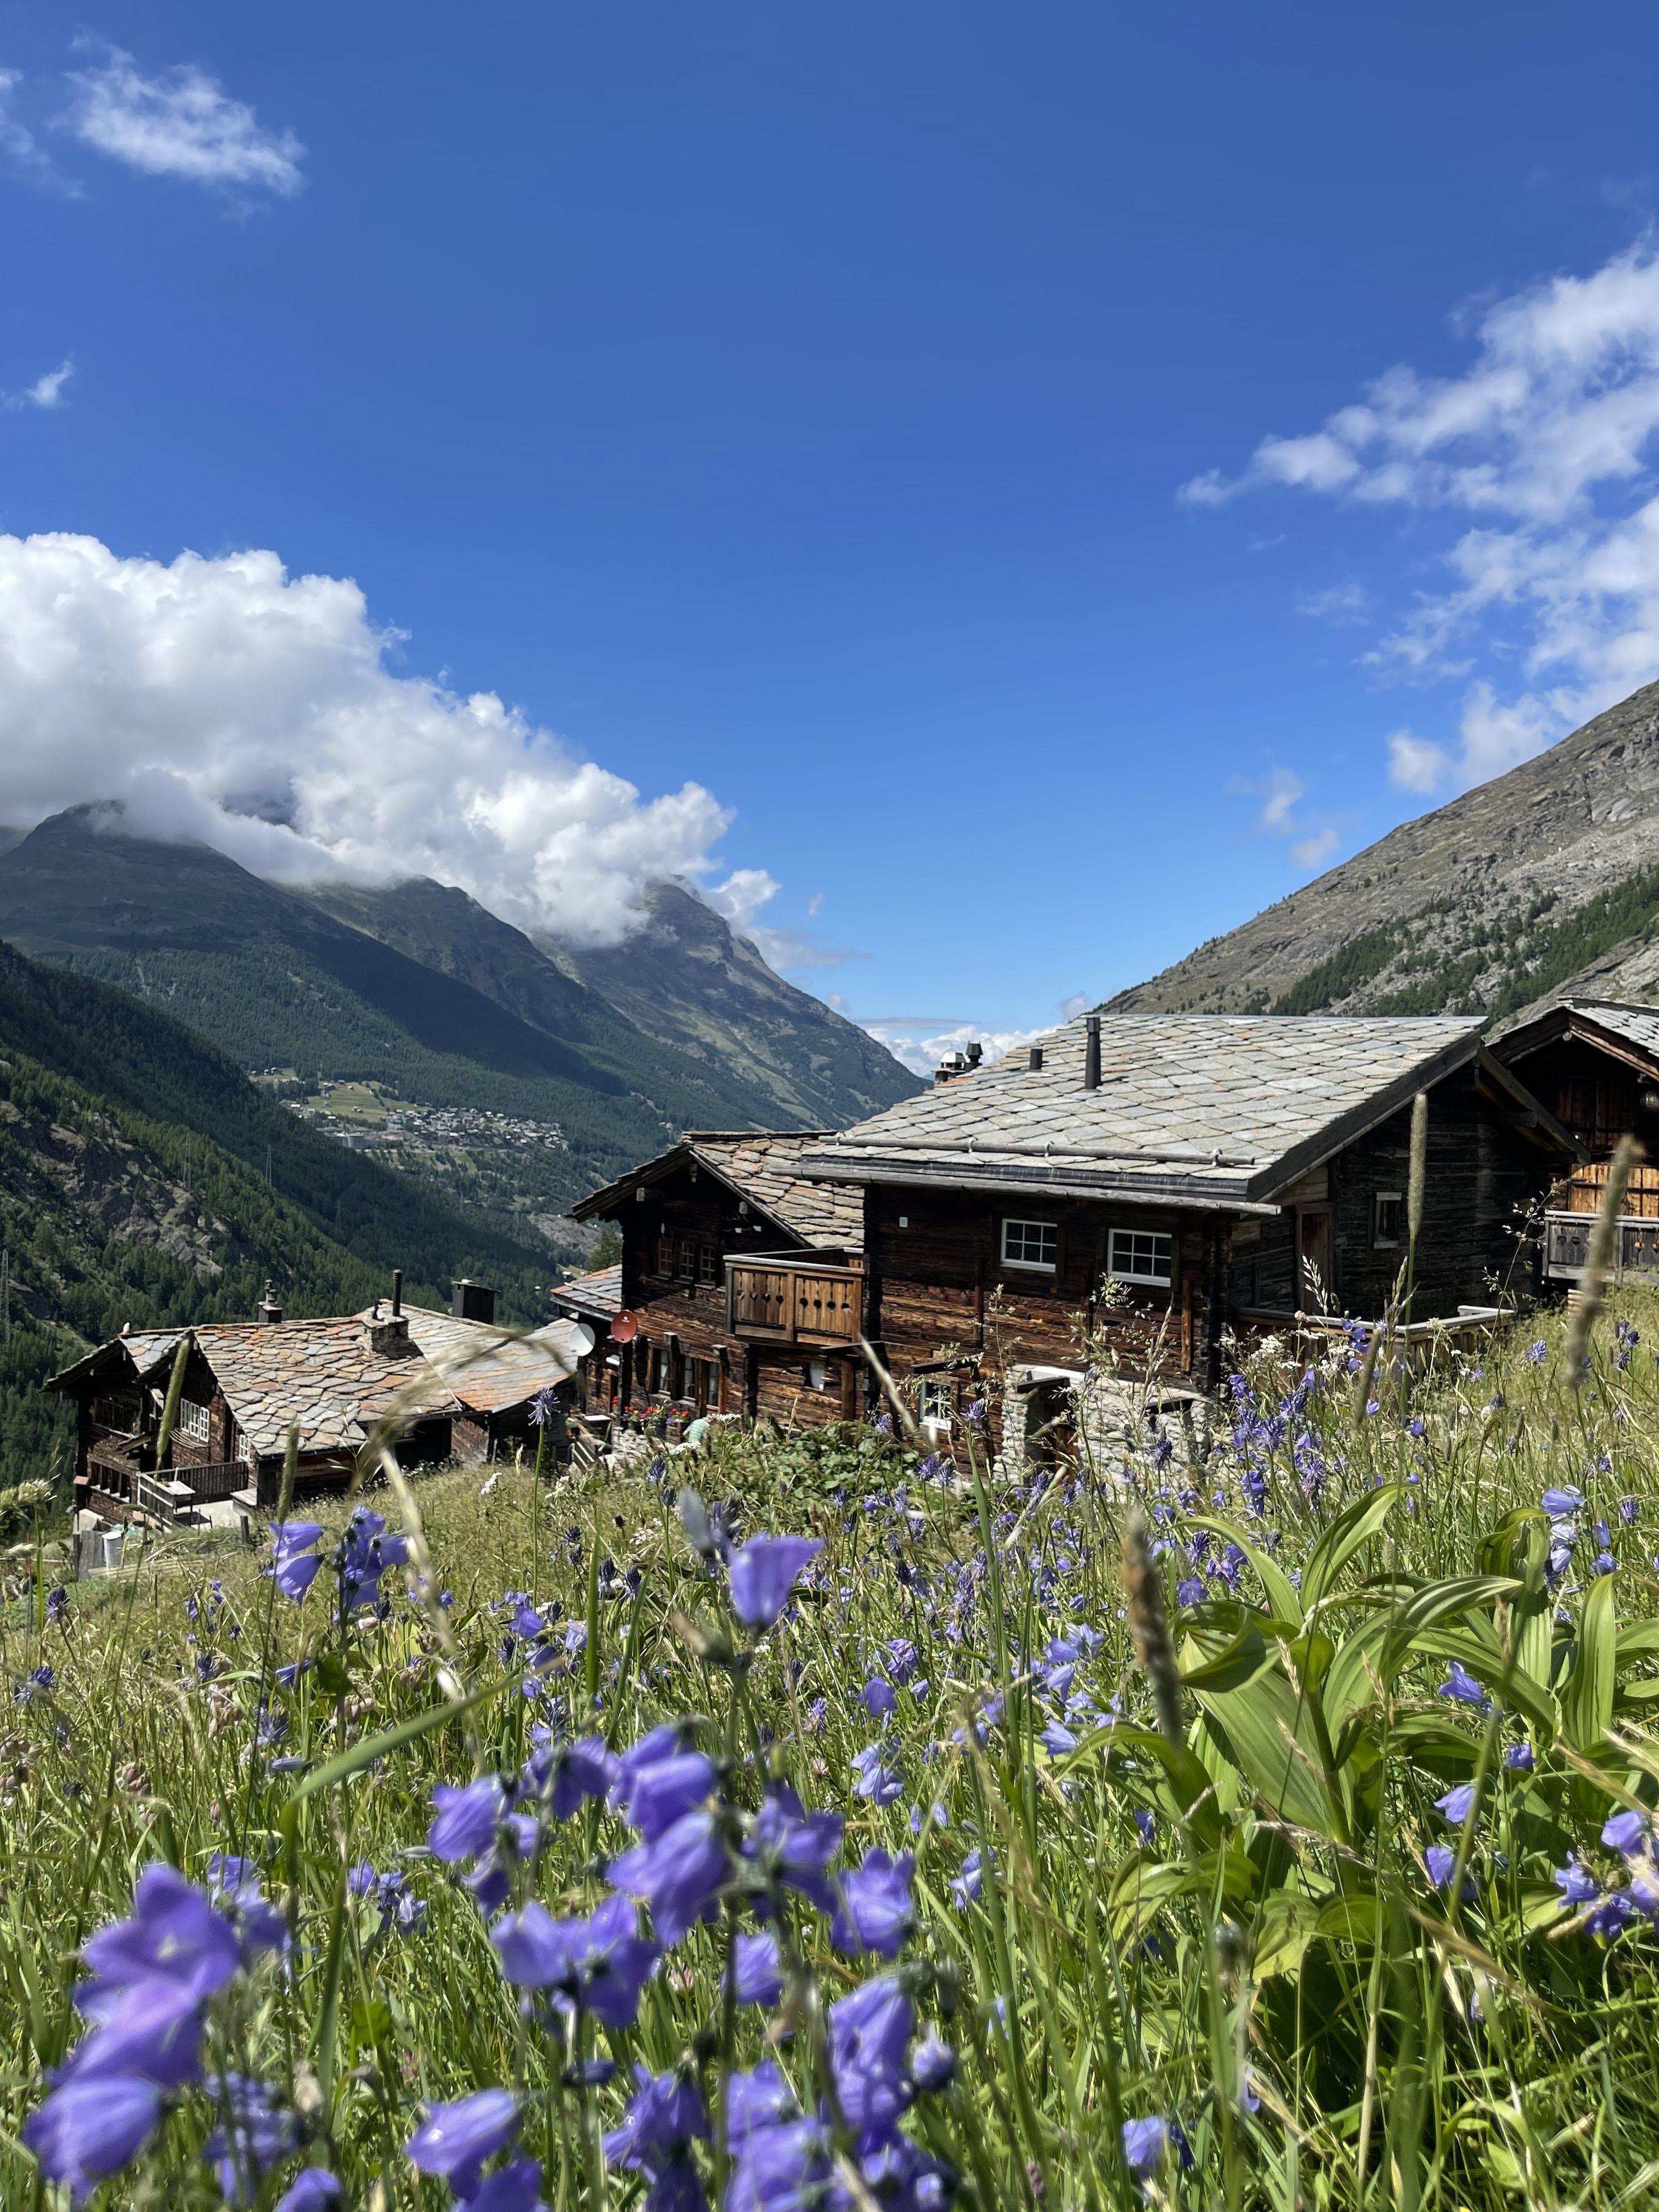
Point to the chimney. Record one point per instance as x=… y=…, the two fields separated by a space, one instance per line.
x=389 y=1338
x=269 y=1311
x=1091 y=1052
x=470 y=1301
x=949 y=1070
x=1036 y=1060
x=975 y=1053
x=397 y=1293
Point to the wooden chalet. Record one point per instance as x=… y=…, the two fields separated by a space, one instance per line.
x=1595 y=1062
x=1148 y=1183
x=743 y=1280
x=458 y=1387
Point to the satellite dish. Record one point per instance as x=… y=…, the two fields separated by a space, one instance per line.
x=582 y=1338
x=623 y=1327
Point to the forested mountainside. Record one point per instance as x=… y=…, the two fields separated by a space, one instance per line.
x=418 y=989
x=1541 y=884
x=144 y=1178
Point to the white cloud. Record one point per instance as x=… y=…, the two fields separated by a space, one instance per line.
x=1317 y=845
x=1542 y=449
x=223 y=699
x=180 y=124
x=920 y=1042
x=1340 y=603
x=1283 y=790
x=19 y=148
x=46 y=392
x=1416 y=763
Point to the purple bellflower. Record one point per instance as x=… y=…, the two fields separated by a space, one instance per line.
x=875 y=1912
x=762 y=1576
x=680 y=1874
x=457 y=2138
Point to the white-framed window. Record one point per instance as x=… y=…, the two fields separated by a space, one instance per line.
x=1388 y=1218
x=1139 y=1255
x=193 y=1421
x=1031 y=1244
x=935 y=1402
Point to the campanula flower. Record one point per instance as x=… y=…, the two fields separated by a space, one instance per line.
x=467 y=1820
x=294 y=1562
x=1626 y=1833
x=1144 y=2145
x=762 y=1576
x=869 y=2034
x=875 y=1912
x=254 y=2134
x=1576 y=1884
x=1463 y=1687
x=933 y=2063
x=175 y=1936
x=759 y=1977
x=457 y=2138
x=878 y=1698
x=966 y=1886
x=875 y=1779
x=1561 y=1504
x=788 y=1845
x=653 y=1797
x=680 y=1874
x=313 y=2189
x=1455 y=1804
x=87 y=2130
x=663 y=2118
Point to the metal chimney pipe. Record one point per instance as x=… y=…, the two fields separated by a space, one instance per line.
x=398 y=1273
x=1091 y=1052
x=1036 y=1060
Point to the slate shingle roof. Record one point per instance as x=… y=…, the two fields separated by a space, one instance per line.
x=327 y=1375
x=599 y=1294
x=1194 y=1108
x=1638 y=1025
x=764 y=1167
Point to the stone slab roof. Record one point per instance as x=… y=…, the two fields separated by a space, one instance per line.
x=764 y=1166
x=1636 y=1025
x=322 y=1374
x=1203 y=1109
x=489 y=1368
x=599 y=1294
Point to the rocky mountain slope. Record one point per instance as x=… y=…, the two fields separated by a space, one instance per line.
x=1541 y=884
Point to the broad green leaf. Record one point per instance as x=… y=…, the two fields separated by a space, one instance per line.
x=1284 y=1926
x=1273 y=1735
x=1337 y=1544
x=1637 y=1639
x=1480 y=1654
x=1587 y=1696
x=1222 y=1663
x=1350 y=1920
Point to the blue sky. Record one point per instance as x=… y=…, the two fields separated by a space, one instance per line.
x=796 y=404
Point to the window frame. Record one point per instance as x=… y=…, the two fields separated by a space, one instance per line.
x=936 y=1401
x=1116 y=1274
x=685 y=1259
x=195 y=1421
x=1396 y=1198
x=1050 y=1235
x=708 y=1264
x=664 y=1269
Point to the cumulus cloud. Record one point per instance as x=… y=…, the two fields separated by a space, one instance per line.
x=46 y=391
x=181 y=124
x=920 y=1042
x=1540 y=454
x=224 y=701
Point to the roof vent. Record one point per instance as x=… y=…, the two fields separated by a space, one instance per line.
x=975 y=1053
x=470 y=1301
x=1091 y=1052
x=269 y=1310
x=1036 y=1060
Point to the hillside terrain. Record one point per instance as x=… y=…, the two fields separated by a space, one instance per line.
x=1541 y=884
x=420 y=991
x=144 y=1179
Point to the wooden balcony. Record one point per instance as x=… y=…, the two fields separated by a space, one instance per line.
x=785 y=1300
x=1567 y=1245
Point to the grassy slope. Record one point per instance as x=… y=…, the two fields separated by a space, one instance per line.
x=1106 y=1971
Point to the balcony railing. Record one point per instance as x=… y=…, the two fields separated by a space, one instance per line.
x=1567 y=1245
x=795 y=1300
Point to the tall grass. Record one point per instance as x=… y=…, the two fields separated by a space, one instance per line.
x=1227 y=1938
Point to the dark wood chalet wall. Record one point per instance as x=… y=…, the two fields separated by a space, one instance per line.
x=1594 y=1093
x=940 y=1282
